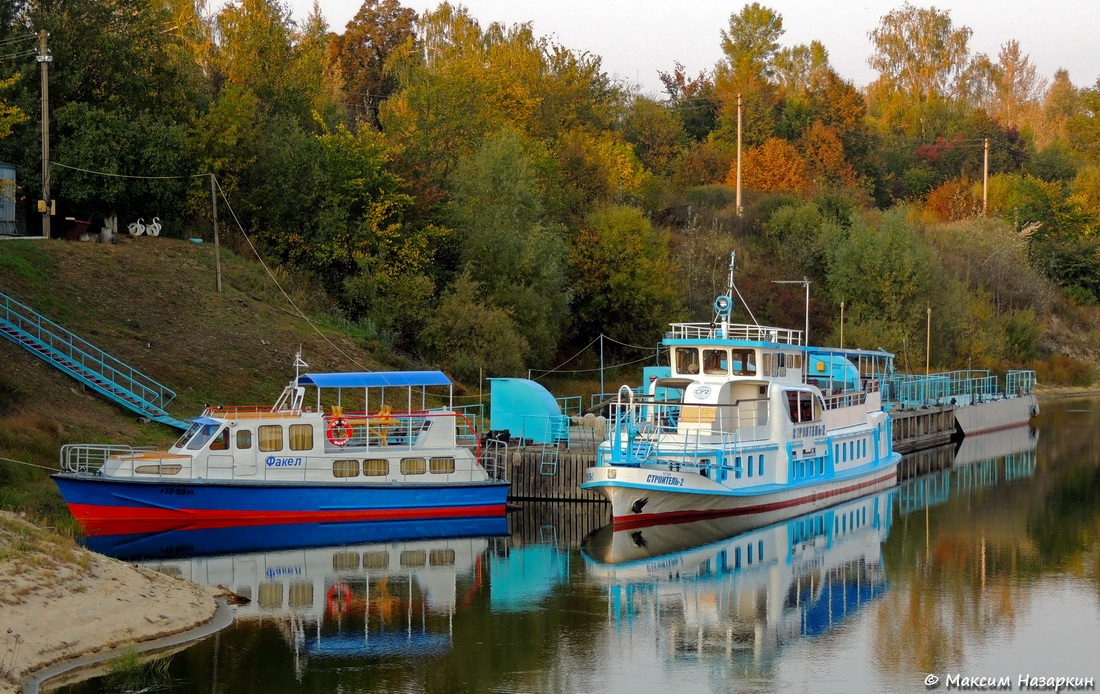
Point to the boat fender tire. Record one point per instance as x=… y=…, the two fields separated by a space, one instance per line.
x=339 y=432
x=338 y=599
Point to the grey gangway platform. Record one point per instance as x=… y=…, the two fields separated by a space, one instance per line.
x=85 y=362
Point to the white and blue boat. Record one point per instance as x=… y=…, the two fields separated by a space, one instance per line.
x=306 y=459
x=748 y=419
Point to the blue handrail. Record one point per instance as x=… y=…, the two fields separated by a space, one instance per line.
x=85 y=362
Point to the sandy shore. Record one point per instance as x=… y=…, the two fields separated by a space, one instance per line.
x=59 y=602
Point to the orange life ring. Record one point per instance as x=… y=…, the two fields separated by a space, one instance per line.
x=339 y=432
x=334 y=593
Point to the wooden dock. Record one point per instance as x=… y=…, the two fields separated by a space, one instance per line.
x=923 y=427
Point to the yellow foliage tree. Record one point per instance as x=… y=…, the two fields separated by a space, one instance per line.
x=773 y=166
x=825 y=160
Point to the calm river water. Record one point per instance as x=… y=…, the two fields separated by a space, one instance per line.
x=984 y=562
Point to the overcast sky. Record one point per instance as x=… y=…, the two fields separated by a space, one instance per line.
x=638 y=38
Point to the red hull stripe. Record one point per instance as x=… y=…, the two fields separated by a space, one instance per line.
x=644 y=519
x=88 y=512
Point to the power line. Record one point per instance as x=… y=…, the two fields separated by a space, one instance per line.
x=118 y=175
x=17 y=39
x=23 y=54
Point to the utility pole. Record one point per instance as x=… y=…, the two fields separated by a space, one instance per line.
x=985 y=179
x=928 y=344
x=738 y=155
x=842 y=325
x=44 y=205
x=217 y=243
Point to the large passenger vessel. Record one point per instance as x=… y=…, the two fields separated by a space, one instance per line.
x=749 y=419
x=304 y=459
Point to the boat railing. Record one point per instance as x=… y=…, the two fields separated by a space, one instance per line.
x=1019 y=382
x=839 y=400
x=251 y=412
x=745 y=416
x=738 y=331
x=89 y=458
x=393 y=430
x=494 y=458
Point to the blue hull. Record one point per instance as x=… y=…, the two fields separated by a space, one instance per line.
x=95 y=499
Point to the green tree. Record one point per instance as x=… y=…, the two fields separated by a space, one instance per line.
x=625 y=285
x=507 y=248
x=656 y=133
x=466 y=336
x=883 y=272
x=693 y=98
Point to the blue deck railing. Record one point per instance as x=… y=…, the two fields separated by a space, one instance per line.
x=963 y=387
x=85 y=362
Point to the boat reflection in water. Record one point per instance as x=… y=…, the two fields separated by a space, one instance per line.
x=377 y=588
x=725 y=588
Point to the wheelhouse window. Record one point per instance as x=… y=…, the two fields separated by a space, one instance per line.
x=244 y=439
x=271 y=437
x=687 y=360
x=187 y=435
x=715 y=362
x=301 y=437
x=221 y=441
x=744 y=362
x=200 y=439
x=803 y=406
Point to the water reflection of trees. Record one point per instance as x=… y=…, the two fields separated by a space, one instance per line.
x=963 y=566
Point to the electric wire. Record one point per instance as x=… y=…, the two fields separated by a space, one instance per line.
x=271 y=275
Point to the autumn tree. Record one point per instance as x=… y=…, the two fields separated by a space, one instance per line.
x=10 y=114
x=1018 y=88
x=379 y=28
x=773 y=166
x=920 y=56
x=694 y=99
x=826 y=164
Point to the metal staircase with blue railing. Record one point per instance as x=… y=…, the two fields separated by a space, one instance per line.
x=85 y=362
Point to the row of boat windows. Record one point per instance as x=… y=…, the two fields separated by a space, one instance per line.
x=737 y=362
x=269 y=438
x=380 y=467
x=805 y=469
x=843 y=452
x=748 y=466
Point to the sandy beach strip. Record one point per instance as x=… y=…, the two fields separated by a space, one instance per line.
x=61 y=602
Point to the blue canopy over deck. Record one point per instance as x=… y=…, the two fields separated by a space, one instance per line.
x=407 y=380
x=375 y=379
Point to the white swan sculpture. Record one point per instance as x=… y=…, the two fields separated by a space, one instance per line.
x=137 y=228
x=154 y=227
